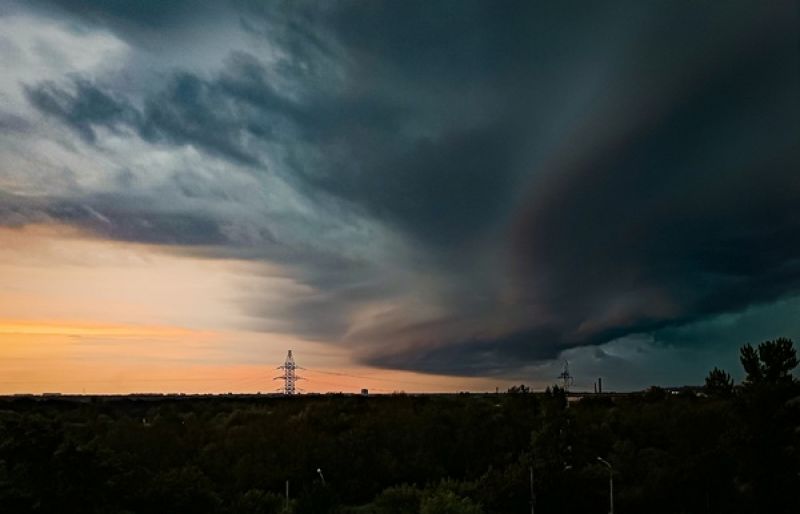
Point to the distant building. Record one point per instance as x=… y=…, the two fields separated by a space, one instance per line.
x=365 y=392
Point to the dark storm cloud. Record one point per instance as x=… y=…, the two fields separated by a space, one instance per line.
x=219 y=116
x=84 y=109
x=694 y=207
x=442 y=190
x=444 y=183
x=109 y=12
x=121 y=217
x=661 y=217
x=475 y=357
x=564 y=174
x=148 y=24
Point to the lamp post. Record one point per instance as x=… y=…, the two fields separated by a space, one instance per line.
x=610 y=483
x=322 y=477
x=533 y=495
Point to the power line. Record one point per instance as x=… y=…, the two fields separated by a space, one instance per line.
x=389 y=380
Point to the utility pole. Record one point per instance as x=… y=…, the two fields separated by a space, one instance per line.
x=287 y=497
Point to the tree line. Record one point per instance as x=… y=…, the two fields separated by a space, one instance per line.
x=734 y=448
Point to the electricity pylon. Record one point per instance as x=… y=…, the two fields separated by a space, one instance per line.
x=289 y=376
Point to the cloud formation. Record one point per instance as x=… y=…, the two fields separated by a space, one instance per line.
x=458 y=188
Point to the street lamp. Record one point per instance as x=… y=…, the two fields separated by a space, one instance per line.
x=610 y=483
x=533 y=494
x=322 y=477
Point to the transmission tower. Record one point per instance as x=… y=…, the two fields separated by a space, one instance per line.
x=289 y=376
x=565 y=377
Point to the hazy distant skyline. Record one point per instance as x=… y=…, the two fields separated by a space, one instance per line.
x=429 y=194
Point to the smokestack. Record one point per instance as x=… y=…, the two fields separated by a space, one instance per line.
x=600 y=385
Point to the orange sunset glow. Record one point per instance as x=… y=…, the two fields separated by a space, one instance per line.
x=82 y=315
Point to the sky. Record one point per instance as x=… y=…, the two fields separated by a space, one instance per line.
x=413 y=196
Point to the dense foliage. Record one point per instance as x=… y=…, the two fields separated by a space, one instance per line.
x=730 y=450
